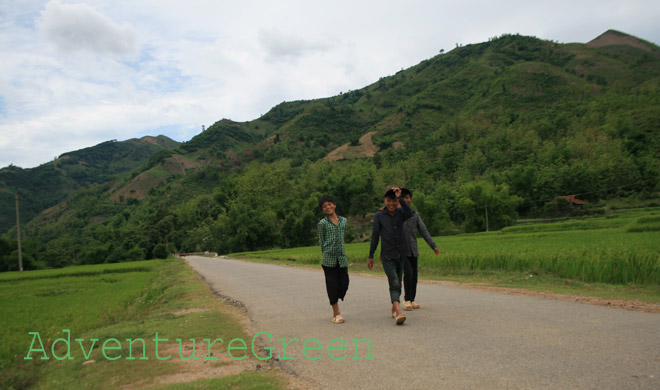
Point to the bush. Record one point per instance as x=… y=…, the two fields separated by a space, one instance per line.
x=161 y=252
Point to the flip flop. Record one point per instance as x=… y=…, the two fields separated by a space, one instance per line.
x=338 y=319
x=415 y=305
x=400 y=319
x=407 y=305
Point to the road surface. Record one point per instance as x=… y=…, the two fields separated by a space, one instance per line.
x=461 y=338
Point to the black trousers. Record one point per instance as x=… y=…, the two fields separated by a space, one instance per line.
x=336 y=282
x=410 y=278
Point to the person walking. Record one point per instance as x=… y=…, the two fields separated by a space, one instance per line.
x=334 y=262
x=410 y=269
x=388 y=226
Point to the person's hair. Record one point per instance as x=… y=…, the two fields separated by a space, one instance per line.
x=405 y=191
x=326 y=198
x=390 y=194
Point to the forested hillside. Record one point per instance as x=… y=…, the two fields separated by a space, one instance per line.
x=53 y=182
x=512 y=124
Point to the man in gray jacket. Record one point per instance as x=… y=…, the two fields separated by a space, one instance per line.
x=411 y=226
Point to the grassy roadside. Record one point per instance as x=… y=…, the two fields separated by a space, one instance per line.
x=127 y=301
x=616 y=256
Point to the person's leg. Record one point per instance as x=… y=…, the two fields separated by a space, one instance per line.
x=408 y=282
x=330 y=284
x=413 y=281
x=343 y=281
x=334 y=285
x=400 y=318
x=393 y=270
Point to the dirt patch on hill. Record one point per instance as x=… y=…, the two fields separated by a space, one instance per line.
x=150 y=140
x=610 y=38
x=178 y=164
x=364 y=148
x=53 y=214
x=139 y=186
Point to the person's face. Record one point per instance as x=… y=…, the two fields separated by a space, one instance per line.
x=391 y=205
x=408 y=199
x=328 y=208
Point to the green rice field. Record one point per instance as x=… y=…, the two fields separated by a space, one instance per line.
x=105 y=302
x=621 y=248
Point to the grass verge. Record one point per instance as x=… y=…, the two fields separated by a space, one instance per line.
x=105 y=306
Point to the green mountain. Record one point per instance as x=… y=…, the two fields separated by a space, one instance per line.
x=513 y=124
x=53 y=182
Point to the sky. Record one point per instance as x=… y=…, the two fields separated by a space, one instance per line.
x=77 y=73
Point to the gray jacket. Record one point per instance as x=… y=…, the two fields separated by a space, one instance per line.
x=410 y=227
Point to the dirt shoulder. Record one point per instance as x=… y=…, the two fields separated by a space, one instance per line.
x=615 y=303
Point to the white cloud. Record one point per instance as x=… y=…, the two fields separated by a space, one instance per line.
x=73 y=27
x=79 y=72
x=281 y=45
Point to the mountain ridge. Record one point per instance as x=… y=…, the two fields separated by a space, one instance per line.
x=513 y=123
x=52 y=182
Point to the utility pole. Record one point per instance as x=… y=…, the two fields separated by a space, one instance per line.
x=487 y=218
x=18 y=235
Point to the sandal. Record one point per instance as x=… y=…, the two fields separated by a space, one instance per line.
x=407 y=305
x=338 y=319
x=400 y=319
x=415 y=305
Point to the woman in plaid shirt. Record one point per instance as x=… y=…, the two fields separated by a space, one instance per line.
x=335 y=264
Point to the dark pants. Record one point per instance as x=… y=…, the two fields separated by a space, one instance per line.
x=410 y=278
x=336 y=282
x=393 y=269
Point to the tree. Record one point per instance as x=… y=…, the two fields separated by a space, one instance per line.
x=480 y=198
x=433 y=211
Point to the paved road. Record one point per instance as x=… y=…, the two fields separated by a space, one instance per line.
x=461 y=338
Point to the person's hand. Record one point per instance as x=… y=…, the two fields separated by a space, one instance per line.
x=370 y=263
x=397 y=191
x=437 y=251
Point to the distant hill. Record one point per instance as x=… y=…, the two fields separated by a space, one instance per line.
x=51 y=183
x=616 y=38
x=513 y=124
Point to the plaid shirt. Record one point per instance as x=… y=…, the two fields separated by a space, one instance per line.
x=331 y=238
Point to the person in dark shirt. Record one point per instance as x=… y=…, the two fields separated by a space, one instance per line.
x=388 y=227
x=411 y=227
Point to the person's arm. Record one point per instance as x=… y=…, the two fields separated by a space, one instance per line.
x=425 y=233
x=343 y=237
x=321 y=232
x=407 y=211
x=375 y=236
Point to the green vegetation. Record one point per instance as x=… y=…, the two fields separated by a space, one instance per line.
x=503 y=128
x=53 y=182
x=598 y=251
x=120 y=301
